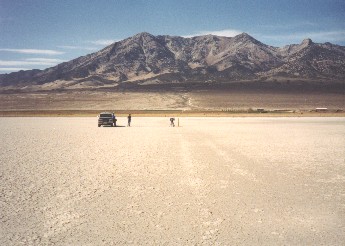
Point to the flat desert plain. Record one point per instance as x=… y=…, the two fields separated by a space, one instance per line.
x=172 y=100
x=213 y=181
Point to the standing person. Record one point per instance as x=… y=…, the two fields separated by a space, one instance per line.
x=129 y=118
x=114 y=119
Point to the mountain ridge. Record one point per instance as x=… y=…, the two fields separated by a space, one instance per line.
x=148 y=59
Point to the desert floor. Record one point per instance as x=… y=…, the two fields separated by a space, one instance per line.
x=182 y=100
x=213 y=181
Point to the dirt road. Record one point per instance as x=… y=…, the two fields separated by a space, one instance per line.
x=212 y=181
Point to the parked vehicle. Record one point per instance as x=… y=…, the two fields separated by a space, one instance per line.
x=106 y=119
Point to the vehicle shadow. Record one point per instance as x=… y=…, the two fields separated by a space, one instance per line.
x=113 y=126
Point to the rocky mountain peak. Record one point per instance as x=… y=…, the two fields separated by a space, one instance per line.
x=307 y=42
x=143 y=34
x=244 y=35
x=142 y=37
x=245 y=38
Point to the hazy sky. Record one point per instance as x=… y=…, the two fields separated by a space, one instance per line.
x=42 y=33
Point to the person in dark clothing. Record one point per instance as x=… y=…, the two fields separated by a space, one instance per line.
x=114 y=120
x=172 y=122
x=129 y=118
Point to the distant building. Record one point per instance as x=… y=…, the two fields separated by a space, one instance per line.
x=321 y=109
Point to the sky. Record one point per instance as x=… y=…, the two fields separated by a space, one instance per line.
x=42 y=33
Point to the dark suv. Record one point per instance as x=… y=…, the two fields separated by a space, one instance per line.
x=106 y=119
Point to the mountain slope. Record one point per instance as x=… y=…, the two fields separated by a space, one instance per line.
x=145 y=58
x=310 y=60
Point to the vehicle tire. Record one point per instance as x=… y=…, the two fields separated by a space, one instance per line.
x=99 y=125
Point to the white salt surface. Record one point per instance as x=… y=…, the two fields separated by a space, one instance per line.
x=213 y=181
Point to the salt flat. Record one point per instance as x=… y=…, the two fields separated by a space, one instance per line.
x=213 y=181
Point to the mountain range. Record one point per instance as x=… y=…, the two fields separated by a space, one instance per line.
x=145 y=59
